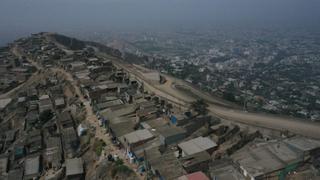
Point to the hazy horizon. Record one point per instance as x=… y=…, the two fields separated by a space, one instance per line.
x=22 y=17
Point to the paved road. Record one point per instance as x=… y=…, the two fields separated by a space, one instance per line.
x=224 y=109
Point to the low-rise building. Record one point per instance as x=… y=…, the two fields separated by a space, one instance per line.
x=77 y=66
x=15 y=174
x=108 y=104
x=4 y=106
x=170 y=134
x=53 y=153
x=45 y=103
x=4 y=162
x=34 y=142
x=224 y=169
x=124 y=126
x=31 y=119
x=270 y=159
x=65 y=120
x=32 y=168
x=197 y=145
x=179 y=119
x=70 y=142
x=74 y=169
x=164 y=165
x=131 y=95
x=59 y=103
x=132 y=140
x=307 y=146
x=194 y=176
x=196 y=162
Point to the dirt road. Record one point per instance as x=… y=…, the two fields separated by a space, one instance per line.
x=224 y=109
x=33 y=78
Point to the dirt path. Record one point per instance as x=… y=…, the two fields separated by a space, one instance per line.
x=33 y=78
x=178 y=100
x=93 y=120
x=305 y=128
x=90 y=116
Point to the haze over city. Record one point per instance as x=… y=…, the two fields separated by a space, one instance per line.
x=159 y=89
x=21 y=17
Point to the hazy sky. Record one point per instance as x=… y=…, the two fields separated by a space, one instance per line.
x=21 y=17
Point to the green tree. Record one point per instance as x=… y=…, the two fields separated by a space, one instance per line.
x=98 y=146
x=121 y=170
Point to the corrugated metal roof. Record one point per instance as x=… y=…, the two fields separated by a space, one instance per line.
x=4 y=103
x=302 y=143
x=194 y=176
x=32 y=165
x=3 y=165
x=138 y=135
x=197 y=145
x=74 y=166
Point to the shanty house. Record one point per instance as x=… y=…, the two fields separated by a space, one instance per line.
x=171 y=134
x=136 y=138
x=74 y=169
x=197 y=145
x=32 y=168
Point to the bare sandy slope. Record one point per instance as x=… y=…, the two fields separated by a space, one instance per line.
x=305 y=128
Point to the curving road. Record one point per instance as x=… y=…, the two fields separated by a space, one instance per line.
x=221 y=108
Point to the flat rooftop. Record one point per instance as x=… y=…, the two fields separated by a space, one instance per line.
x=32 y=165
x=137 y=136
x=302 y=143
x=266 y=158
x=197 y=145
x=4 y=103
x=225 y=170
x=168 y=131
x=194 y=176
x=74 y=166
x=165 y=163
